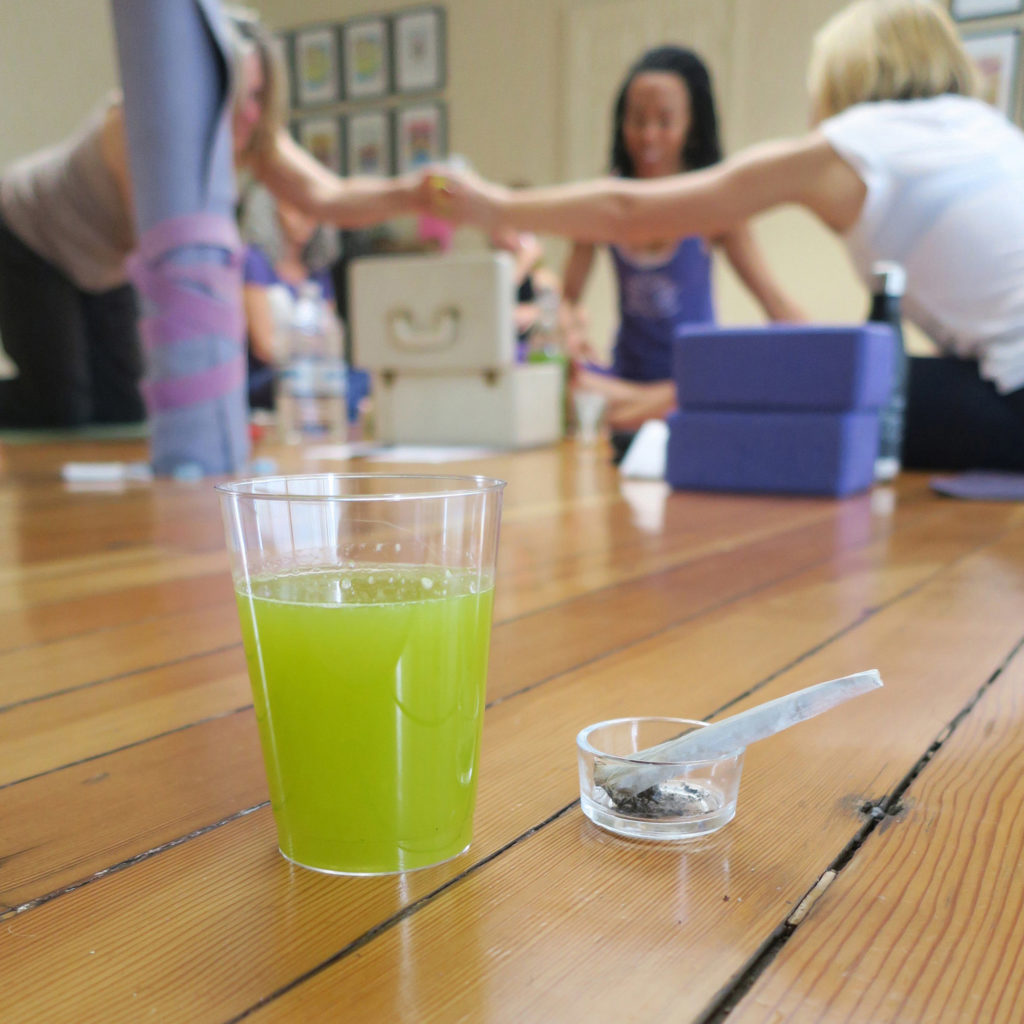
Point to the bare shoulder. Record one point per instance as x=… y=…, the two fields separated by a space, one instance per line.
x=112 y=122
x=829 y=186
x=804 y=170
x=114 y=146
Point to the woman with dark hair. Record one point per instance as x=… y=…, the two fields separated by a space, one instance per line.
x=664 y=123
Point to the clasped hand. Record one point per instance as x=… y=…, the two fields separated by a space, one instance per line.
x=459 y=196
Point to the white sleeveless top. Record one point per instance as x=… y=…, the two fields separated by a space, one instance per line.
x=945 y=198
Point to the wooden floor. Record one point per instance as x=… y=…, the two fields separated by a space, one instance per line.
x=872 y=873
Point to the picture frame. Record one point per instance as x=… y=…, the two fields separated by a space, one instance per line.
x=322 y=136
x=421 y=132
x=419 y=50
x=967 y=10
x=316 y=66
x=368 y=149
x=366 y=58
x=997 y=55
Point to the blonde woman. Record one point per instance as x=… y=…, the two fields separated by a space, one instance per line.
x=904 y=164
x=67 y=312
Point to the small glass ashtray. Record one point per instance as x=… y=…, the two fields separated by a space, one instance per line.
x=626 y=793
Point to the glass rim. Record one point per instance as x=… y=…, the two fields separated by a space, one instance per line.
x=460 y=485
x=585 y=745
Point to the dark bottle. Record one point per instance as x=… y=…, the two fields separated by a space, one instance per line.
x=888 y=282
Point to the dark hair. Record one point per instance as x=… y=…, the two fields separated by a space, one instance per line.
x=701 y=146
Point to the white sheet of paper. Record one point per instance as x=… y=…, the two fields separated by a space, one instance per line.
x=645 y=457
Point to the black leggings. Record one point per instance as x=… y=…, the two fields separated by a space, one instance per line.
x=77 y=353
x=956 y=420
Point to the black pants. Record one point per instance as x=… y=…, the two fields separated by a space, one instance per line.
x=77 y=353
x=956 y=420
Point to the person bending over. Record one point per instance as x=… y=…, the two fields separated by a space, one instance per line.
x=67 y=312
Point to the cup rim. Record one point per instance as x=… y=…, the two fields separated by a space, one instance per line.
x=459 y=485
x=585 y=746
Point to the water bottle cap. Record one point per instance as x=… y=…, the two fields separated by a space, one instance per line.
x=888 y=278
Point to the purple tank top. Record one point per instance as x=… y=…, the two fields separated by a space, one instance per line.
x=258 y=269
x=655 y=300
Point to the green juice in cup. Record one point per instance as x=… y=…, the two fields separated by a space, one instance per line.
x=369 y=689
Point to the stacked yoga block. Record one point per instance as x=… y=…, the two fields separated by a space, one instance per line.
x=439 y=334
x=784 y=409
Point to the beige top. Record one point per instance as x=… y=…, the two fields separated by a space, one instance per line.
x=64 y=203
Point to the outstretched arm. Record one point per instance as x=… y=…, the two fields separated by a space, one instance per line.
x=709 y=202
x=749 y=263
x=292 y=174
x=629 y=403
x=571 y=313
x=259 y=323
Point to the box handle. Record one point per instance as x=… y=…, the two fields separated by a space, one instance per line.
x=410 y=335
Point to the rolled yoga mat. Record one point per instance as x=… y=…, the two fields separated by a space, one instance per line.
x=176 y=75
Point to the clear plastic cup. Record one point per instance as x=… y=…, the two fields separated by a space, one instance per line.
x=589 y=409
x=365 y=606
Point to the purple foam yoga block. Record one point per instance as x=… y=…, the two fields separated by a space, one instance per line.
x=784 y=366
x=788 y=452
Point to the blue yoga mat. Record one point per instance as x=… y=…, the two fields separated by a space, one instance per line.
x=176 y=77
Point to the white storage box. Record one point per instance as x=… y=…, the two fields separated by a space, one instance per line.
x=433 y=314
x=518 y=407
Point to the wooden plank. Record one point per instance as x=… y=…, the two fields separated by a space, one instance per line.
x=65 y=665
x=926 y=922
x=102 y=573
x=578 y=550
x=527 y=651
x=68 y=524
x=580 y=903
x=44 y=624
x=103 y=812
x=41 y=735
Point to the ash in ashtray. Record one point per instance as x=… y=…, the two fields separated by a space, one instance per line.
x=669 y=800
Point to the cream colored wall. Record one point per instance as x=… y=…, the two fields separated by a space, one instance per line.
x=56 y=60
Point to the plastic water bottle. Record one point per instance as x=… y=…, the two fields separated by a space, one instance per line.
x=888 y=283
x=545 y=345
x=312 y=384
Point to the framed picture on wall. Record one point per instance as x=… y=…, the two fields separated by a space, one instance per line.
x=368 y=143
x=420 y=136
x=419 y=48
x=997 y=55
x=322 y=137
x=316 y=66
x=365 y=58
x=964 y=10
